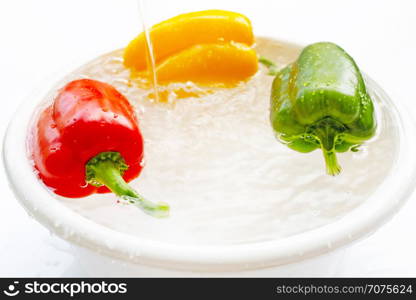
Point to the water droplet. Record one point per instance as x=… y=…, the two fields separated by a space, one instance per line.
x=84 y=186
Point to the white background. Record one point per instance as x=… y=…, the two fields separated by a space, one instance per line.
x=38 y=38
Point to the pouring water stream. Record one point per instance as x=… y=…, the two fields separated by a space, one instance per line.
x=150 y=57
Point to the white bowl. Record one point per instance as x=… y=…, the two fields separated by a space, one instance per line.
x=103 y=251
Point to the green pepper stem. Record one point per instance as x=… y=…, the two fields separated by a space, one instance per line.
x=332 y=166
x=327 y=135
x=104 y=169
x=273 y=69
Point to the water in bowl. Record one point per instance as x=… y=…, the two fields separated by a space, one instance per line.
x=215 y=160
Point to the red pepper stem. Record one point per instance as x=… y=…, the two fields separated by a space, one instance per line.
x=107 y=169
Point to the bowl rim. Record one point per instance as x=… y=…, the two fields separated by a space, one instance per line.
x=71 y=226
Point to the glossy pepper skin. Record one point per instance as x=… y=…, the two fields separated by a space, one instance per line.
x=320 y=101
x=88 y=140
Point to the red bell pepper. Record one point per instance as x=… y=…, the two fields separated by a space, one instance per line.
x=88 y=141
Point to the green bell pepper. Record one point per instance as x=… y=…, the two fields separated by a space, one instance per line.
x=320 y=101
